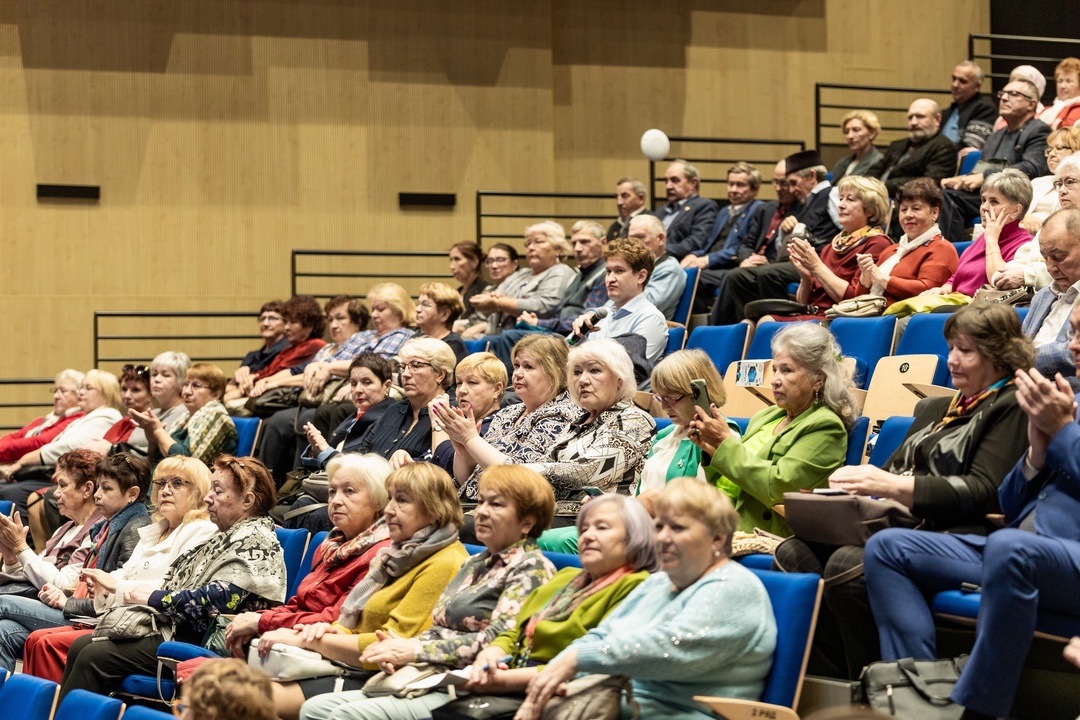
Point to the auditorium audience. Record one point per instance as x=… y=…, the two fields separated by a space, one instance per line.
x=502 y=261
x=860 y=129
x=1005 y=196
x=240 y=568
x=925 y=152
x=947 y=472
x=687 y=217
x=137 y=395
x=397 y=596
x=207 y=432
x=272 y=330
x=668 y=279
x=437 y=308
x=630 y=201
x=702 y=625
x=969 y=119
x=1065 y=110
x=537 y=289
x=480 y=603
x=33 y=435
x=793 y=445
x=922 y=259
x=179 y=524
x=466 y=265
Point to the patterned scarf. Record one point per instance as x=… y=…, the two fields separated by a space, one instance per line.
x=571 y=596
x=961 y=405
x=394 y=561
x=843 y=243
x=337 y=550
x=208 y=429
x=247 y=555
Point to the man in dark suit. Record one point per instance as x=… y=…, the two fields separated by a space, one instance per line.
x=1020 y=144
x=734 y=224
x=630 y=197
x=971 y=117
x=925 y=152
x=687 y=218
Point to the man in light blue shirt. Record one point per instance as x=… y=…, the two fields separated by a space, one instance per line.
x=667 y=279
x=629 y=265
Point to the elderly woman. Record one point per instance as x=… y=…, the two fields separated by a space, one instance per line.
x=522 y=432
x=730 y=655
x=832 y=276
x=860 y=129
x=791 y=446
x=226 y=689
x=673 y=454
x=179 y=524
x=922 y=259
x=401 y=588
x=617 y=554
x=137 y=395
x=208 y=430
x=304 y=323
x=1005 y=197
x=502 y=262
x=240 y=568
x=481 y=382
x=272 y=330
x=539 y=289
x=437 y=308
x=466 y=265
x=65 y=394
x=1065 y=110
x=479 y=604
x=947 y=471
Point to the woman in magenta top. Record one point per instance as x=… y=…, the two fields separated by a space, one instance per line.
x=1005 y=198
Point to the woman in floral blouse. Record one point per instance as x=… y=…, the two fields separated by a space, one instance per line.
x=481 y=602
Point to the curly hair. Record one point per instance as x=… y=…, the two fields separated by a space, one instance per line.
x=80 y=465
x=229 y=689
x=305 y=310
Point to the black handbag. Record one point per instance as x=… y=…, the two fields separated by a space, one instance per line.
x=776 y=306
x=914 y=689
x=273 y=401
x=480 y=707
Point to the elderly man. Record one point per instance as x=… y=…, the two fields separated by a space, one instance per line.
x=766 y=248
x=970 y=118
x=1020 y=144
x=1047 y=322
x=630 y=201
x=734 y=224
x=926 y=152
x=688 y=218
x=668 y=280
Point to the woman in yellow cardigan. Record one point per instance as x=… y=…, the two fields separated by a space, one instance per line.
x=399 y=592
x=794 y=445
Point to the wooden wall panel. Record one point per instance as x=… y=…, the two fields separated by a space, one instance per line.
x=225 y=133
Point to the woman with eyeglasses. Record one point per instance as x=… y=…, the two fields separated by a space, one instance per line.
x=272 y=330
x=65 y=395
x=207 y=432
x=180 y=523
x=104 y=499
x=240 y=568
x=502 y=262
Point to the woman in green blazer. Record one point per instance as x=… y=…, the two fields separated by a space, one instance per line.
x=794 y=445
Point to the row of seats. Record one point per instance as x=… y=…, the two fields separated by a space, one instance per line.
x=32 y=698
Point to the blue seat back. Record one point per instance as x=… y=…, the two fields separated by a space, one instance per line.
x=28 y=697
x=661 y=423
x=761 y=344
x=85 y=705
x=925 y=334
x=968 y=163
x=306 y=562
x=475 y=346
x=139 y=712
x=865 y=339
x=247 y=429
x=676 y=337
x=559 y=560
x=1022 y=312
x=889 y=438
x=724 y=344
x=686 y=302
x=856 y=444
x=6 y=507
x=293 y=543
x=795 y=598
x=743 y=423
x=962 y=246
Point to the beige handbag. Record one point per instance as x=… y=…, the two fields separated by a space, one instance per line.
x=396 y=685
x=592 y=697
x=861 y=306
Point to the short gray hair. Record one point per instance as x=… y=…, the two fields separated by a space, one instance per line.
x=653 y=225
x=74 y=376
x=816 y=349
x=434 y=351
x=554 y=232
x=689 y=170
x=746 y=168
x=820 y=172
x=974 y=67
x=1070 y=162
x=636 y=185
x=591 y=226
x=369 y=469
x=1011 y=184
x=640 y=532
x=611 y=355
x=178 y=362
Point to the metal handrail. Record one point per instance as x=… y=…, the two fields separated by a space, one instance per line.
x=484 y=212
x=171 y=337
x=1047 y=61
x=383 y=276
x=10 y=404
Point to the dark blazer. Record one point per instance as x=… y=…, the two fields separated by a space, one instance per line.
x=1053 y=357
x=743 y=227
x=980 y=108
x=618 y=230
x=1028 y=154
x=872 y=164
x=815 y=215
x=691 y=227
x=350 y=430
x=935 y=158
x=762 y=241
x=959 y=468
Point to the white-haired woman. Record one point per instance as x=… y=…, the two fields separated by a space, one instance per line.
x=38 y=432
x=539 y=289
x=792 y=445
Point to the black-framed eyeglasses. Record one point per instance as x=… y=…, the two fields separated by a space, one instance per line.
x=270 y=318
x=412 y=366
x=173 y=483
x=138 y=370
x=667 y=399
x=497 y=261
x=1014 y=94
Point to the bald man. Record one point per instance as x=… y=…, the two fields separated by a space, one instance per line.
x=924 y=153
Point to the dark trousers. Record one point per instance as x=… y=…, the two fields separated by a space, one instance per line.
x=99 y=666
x=1019 y=572
x=281 y=444
x=846 y=638
x=958 y=209
x=19 y=492
x=741 y=285
x=709 y=281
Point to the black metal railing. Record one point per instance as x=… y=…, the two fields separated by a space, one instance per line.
x=713 y=157
x=327 y=273
x=136 y=336
x=22 y=400
x=1001 y=53
x=502 y=215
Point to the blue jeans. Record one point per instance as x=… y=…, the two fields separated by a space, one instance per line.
x=20 y=616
